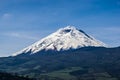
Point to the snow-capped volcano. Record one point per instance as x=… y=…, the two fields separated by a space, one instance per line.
x=63 y=39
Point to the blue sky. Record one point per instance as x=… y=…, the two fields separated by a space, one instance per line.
x=23 y=22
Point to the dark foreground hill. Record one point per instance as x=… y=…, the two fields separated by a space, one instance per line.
x=90 y=63
x=8 y=76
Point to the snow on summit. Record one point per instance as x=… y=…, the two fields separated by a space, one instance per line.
x=63 y=39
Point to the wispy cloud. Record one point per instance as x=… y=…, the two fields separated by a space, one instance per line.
x=20 y=35
x=7 y=16
x=109 y=35
x=113 y=29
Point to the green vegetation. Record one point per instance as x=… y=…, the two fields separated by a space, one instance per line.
x=89 y=63
x=64 y=73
